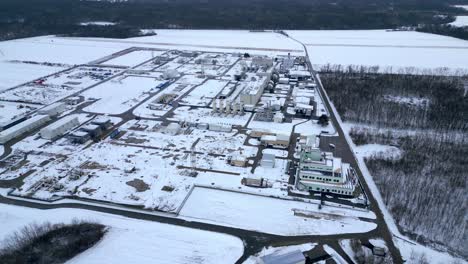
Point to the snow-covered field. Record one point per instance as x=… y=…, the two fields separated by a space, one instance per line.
x=390 y=50
x=271 y=215
x=121 y=94
x=460 y=21
x=130 y=240
x=19 y=73
x=204 y=93
x=56 y=50
x=133 y=58
x=206 y=115
x=236 y=39
x=369 y=150
x=10 y=111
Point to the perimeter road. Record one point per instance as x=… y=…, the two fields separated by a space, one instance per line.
x=382 y=227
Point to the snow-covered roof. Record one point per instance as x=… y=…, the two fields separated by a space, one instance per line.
x=291 y=257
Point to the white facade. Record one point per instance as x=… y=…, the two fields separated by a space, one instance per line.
x=23 y=127
x=278 y=118
x=220 y=127
x=59 y=127
x=268 y=161
x=253 y=91
x=53 y=109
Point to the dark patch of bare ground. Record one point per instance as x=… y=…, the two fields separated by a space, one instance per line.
x=138 y=184
x=50 y=243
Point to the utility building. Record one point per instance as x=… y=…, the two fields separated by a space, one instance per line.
x=59 y=127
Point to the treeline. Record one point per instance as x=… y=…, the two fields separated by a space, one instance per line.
x=425 y=190
x=447 y=30
x=362 y=95
x=426 y=116
x=21 y=18
x=50 y=243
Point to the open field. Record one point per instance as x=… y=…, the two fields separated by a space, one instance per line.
x=130 y=239
x=270 y=215
x=391 y=51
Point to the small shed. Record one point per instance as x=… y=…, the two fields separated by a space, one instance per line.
x=238 y=160
x=79 y=137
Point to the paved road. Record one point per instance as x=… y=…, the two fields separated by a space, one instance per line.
x=348 y=156
x=254 y=241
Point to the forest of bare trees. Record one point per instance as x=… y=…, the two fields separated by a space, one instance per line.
x=426 y=188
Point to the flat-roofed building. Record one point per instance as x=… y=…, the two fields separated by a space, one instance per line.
x=59 y=127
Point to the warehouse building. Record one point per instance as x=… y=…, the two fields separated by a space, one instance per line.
x=278 y=140
x=53 y=109
x=59 y=127
x=253 y=90
x=23 y=127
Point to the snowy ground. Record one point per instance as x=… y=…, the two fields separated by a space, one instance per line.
x=203 y=94
x=460 y=21
x=206 y=115
x=121 y=94
x=392 y=51
x=369 y=150
x=279 y=251
x=133 y=58
x=130 y=240
x=10 y=111
x=57 y=50
x=270 y=215
x=19 y=73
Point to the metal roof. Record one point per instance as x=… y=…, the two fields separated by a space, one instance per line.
x=292 y=257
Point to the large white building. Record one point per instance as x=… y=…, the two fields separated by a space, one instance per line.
x=253 y=90
x=59 y=127
x=53 y=109
x=321 y=172
x=23 y=127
